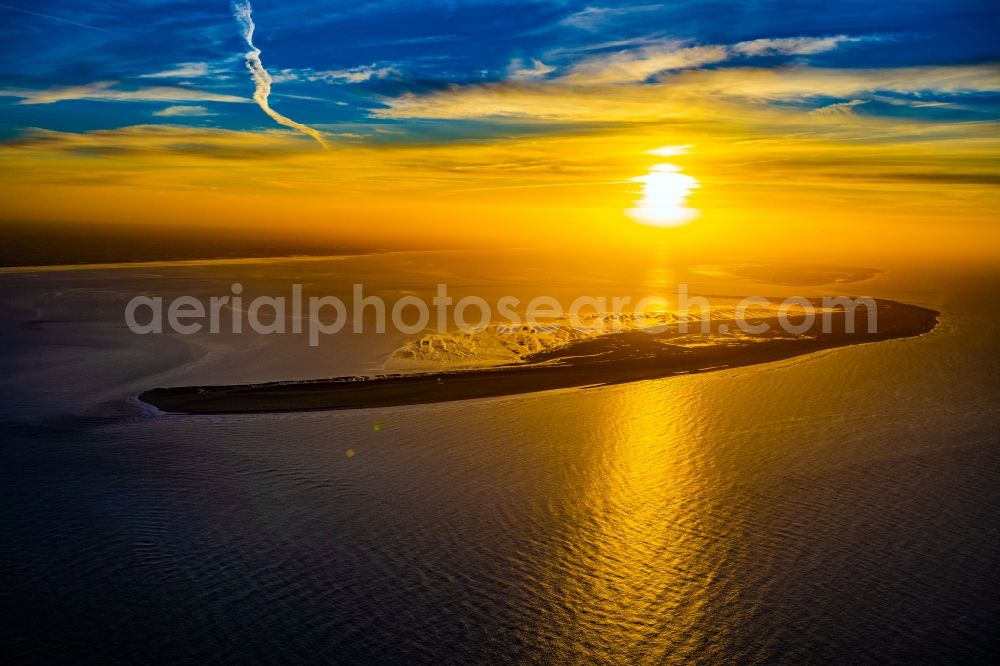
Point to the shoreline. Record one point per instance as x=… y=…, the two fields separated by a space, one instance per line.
x=614 y=358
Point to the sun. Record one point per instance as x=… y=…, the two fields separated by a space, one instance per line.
x=665 y=191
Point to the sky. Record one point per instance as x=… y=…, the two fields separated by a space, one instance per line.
x=709 y=124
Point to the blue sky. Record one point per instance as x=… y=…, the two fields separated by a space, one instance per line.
x=341 y=65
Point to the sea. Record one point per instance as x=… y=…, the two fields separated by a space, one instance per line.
x=839 y=507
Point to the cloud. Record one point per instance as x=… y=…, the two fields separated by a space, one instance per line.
x=519 y=70
x=106 y=91
x=670 y=151
x=675 y=95
x=160 y=140
x=534 y=101
x=789 y=83
x=640 y=64
x=916 y=103
x=840 y=109
x=793 y=45
x=358 y=74
x=186 y=111
x=184 y=70
x=593 y=18
x=262 y=80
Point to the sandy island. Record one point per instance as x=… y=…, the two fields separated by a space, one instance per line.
x=613 y=358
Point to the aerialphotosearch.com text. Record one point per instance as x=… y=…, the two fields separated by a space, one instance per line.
x=321 y=316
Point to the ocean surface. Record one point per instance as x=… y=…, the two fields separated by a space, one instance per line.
x=838 y=507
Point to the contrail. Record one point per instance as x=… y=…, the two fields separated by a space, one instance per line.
x=261 y=79
x=56 y=18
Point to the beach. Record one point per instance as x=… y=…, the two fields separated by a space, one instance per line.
x=612 y=358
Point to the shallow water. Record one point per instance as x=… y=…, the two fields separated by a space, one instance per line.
x=836 y=507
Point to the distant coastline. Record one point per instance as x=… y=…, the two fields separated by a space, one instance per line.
x=167 y=263
x=607 y=359
x=46 y=245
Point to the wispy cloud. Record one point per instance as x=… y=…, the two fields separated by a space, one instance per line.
x=262 y=80
x=107 y=91
x=594 y=18
x=673 y=95
x=161 y=140
x=794 y=45
x=667 y=78
x=358 y=74
x=640 y=64
x=184 y=70
x=840 y=109
x=786 y=83
x=576 y=50
x=536 y=69
x=183 y=111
